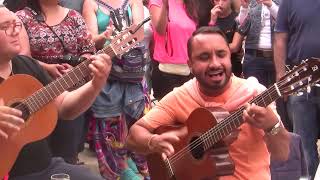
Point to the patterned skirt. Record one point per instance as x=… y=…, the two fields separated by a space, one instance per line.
x=108 y=136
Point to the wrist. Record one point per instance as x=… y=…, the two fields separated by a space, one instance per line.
x=150 y=147
x=275 y=129
x=212 y=22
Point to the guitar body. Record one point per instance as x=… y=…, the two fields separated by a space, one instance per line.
x=37 y=126
x=194 y=165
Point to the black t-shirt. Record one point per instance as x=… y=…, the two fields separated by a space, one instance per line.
x=34 y=156
x=229 y=26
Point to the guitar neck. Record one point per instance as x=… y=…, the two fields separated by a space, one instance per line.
x=234 y=120
x=46 y=94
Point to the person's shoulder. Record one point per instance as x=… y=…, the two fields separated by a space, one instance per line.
x=25 y=61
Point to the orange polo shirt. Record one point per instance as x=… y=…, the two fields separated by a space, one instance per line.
x=249 y=152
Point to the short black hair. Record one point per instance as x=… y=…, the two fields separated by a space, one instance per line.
x=204 y=30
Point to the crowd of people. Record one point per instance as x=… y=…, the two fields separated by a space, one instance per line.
x=214 y=54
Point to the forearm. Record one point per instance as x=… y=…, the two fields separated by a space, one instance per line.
x=138 y=139
x=278 y=145
x=159 y=18
x=280 y=53
x=274 y=10
x=236 y=43
x=243 y=14
x=78 y=101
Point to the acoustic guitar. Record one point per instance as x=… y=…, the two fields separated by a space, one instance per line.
x=192 y=159
x=27 y=94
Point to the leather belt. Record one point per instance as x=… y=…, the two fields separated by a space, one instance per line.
x=260 y=53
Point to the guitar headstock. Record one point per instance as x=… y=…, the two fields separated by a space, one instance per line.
x=301 y=77
x=126 y=40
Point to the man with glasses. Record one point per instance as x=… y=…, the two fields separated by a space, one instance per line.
x=34 y=160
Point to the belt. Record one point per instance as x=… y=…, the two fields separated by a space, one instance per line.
x=260 y=53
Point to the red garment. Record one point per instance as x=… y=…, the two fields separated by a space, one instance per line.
x=46 y=46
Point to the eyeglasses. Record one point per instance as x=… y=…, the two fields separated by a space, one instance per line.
x=11 y=28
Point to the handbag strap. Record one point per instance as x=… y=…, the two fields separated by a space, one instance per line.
x=123 y=6
x=119 y=16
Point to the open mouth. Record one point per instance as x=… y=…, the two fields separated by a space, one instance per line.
x=216 y=74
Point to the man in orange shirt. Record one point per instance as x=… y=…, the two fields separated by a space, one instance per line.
x=214 y=86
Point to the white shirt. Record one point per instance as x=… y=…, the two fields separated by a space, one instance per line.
x=265 y=32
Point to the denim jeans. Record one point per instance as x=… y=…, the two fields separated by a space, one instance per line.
x=263 y=69
x=260 y=67
x=304 y=111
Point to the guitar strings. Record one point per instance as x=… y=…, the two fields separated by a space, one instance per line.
x=106 y=50
x=195 y=144
x=199 y=141
x=32 y=104
x=207 y=135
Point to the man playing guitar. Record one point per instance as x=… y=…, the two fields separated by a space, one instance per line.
x=34 y=160
x=214 y=86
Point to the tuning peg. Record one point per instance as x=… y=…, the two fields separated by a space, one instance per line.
x=317 y=85
x=292 y=87
x=296 y=73
x=305 y=69
x=308 y=89
x=300 y=83
x=300 y=93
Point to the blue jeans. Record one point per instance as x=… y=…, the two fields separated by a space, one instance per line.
x=260 y=67
x=304 y=111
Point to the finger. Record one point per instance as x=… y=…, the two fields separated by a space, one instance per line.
x=167 y=153
x=100 y=65
x=12 y=119
x=10 y=111
x=169 y=149
x=246 y=117
x=164 y=156
x=60 y=67
x=254 y=109
x=58 y=73
x=67 y=66
x=170 y=138
x=9 y=126
x=3 y=134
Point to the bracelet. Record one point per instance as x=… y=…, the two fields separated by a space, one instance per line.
x=275 y=129
x=149 y=141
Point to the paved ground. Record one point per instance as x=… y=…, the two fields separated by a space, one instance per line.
x=89 y=158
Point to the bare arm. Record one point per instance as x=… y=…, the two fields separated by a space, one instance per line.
x=159 y=17
x=280 y=53
x=236 y=43
x=138 y=138
x=278 y=145
x=266 y=119
x=89 y=14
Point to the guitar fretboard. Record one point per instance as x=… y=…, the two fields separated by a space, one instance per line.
x=234 y=120
x=46 y=94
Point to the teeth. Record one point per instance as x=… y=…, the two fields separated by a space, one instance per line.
x=215 y=73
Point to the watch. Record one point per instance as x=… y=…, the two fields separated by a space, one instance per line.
x=275 y=129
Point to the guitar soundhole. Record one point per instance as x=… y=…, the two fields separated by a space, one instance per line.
x=196 y=148
x=23 y=108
